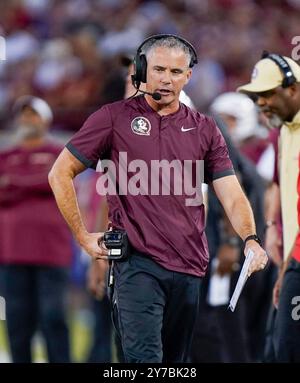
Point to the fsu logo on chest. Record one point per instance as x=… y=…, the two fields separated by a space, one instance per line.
x=141 y=126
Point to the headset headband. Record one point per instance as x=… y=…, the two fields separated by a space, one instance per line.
x=194 y=59
x=286 y=70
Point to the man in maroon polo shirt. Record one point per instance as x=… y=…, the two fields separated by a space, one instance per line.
x=35 y=242
x=156 y=290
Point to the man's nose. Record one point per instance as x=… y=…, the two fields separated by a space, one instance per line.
x=261 y=101
x=166 y=77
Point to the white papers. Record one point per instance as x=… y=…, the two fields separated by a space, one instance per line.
x=241 y=281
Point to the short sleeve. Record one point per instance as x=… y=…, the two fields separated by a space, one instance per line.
x=93 y=141
x=217 y=163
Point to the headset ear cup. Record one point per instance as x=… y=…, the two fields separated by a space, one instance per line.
x=143 y=66
x=137 y=71
x=288 y=81
x=285 y=83
x=140 y=74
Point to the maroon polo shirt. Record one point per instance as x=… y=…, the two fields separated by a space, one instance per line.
x=32 y=230
x=160 y=225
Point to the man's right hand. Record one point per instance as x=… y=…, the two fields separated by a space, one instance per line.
x=90 y=243
x=273 y=244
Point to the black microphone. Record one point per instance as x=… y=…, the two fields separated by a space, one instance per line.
x=156 y=96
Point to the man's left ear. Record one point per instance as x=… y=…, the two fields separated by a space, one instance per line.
x=188 y=76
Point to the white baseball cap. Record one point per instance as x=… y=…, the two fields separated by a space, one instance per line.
x=37 y=104
x=242 y=108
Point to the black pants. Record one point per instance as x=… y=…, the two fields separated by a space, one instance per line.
x=154 y=310
x=220 y=335
x=35 y=298
x=287 y=323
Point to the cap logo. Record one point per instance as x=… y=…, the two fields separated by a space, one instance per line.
x=254 y=73
x=141 y=126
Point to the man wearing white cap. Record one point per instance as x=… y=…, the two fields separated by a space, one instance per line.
x=35 y=245
x=275 y=83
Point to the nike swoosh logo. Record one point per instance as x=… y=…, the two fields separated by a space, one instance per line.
x=187 y=129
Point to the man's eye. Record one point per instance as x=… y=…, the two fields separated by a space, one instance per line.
x=267 y=94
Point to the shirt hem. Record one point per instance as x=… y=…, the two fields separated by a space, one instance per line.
x=223 y=173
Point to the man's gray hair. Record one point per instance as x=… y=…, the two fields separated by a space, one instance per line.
x=168 y=42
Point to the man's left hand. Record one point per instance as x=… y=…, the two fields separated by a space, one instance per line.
x=260 y=258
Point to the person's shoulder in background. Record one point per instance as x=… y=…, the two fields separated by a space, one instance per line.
x=9 y=149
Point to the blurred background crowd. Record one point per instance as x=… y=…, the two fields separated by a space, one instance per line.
x=68 y=51
x=71 y=53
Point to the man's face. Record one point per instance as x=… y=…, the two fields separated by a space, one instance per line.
x=30 y=124
x=167 y=73
x=276 y=104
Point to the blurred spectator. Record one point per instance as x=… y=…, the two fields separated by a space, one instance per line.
x=94 y=33
x=241 y=118
x=278 y=95
x=220 y=335
x=35 y=246
x=67 y=51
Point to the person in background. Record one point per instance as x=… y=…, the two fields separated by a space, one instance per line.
x=222 y=336
x=35 y=246
x=287 y=284
x=241 y=117
x=275 y=85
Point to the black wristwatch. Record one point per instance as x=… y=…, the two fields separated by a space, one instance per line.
x=253 y=237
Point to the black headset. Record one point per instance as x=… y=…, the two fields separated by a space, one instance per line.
x=286 y=70
x=140 y=61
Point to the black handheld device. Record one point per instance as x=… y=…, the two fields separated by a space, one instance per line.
x=116 y=241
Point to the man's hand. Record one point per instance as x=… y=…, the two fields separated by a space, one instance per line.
x=96 y=278
x=278 y=284
x=276 y=290
x=92 y=244
x=273 y=244
x=260 y=258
